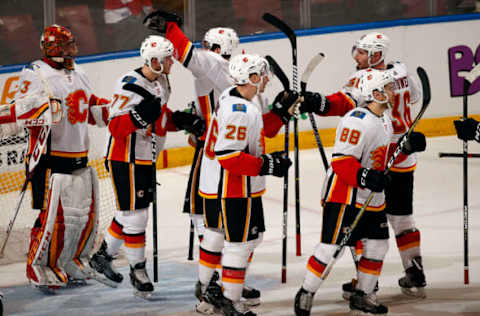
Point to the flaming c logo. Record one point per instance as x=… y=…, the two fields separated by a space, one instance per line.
x=378 y=156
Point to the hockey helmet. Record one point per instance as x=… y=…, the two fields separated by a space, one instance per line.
x=375 y=80
x=58 y=44
x=224 y=37
x=243 y=65
x=155 y=46
x=372 y=43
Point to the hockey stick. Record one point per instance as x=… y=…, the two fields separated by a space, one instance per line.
x=154 y=204
x=273 y=20
x=303 y=84
x=31 y=163
x=456 y=155
x=426 y=101
x=312 y=64
x=278 y=72
x=469 y=79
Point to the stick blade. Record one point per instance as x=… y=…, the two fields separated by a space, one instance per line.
x=312 y=64
x=277 y=70
x=279 y=24
x=422 y=74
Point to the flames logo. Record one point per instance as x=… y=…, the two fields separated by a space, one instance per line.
x=378 y=157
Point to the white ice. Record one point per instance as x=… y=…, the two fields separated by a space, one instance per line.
x=438 y=209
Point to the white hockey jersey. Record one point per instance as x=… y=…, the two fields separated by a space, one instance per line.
x=236 y=127
x=137 y=146
x=407 y=94
x=69 y=137
x=366 y=137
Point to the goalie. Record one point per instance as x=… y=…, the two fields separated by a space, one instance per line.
x=55 y=103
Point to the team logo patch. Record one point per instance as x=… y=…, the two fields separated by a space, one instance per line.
x=140 y=193
x=129 y=79
x=238 y=107
x=358 y=114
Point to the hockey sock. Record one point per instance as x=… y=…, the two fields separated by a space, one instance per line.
x=370 y=265
x=114 y=237
x=234 y=262
x=135 y=247
x=407 y=237
x=316 y=266
x=408 y=243
x=210 y=254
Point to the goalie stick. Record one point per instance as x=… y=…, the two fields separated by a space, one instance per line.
x=279 y=24
x=426 y=101
x=469 y=79
x=40 y=144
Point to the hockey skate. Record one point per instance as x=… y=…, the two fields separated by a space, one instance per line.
x=101 y=262
x=363 y=304
x=250 y=296
x=230 y=308
x=209 y=297
x=348 y=289
x=303 y=302
x=139 y=279
x=413 y=283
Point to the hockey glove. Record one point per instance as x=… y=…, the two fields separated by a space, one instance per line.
x=468 y=129
x=275 y=164
x=190 y=122
x=414 y=143
x=283 y=105
x=146 y=112
x=157 y=20
x=314 y=103
x=374 y=180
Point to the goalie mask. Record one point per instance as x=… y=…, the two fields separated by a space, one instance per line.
x=376 y=80
x=226 y=38
x=242 y=66
x=58 y=45
x=155 y=46
x=372 y=43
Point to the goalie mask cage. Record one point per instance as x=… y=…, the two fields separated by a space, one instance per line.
x=12 y=177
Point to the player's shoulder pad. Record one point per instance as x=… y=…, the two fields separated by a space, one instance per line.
x=129 y=79
x=239 y=107
x=358 y=114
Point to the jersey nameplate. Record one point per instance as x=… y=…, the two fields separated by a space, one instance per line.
x=129 y=79
x=358 y=114
x=238 y=107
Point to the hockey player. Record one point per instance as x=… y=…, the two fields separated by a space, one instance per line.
x=55 y=102
x=209 y=66
x=358 y=160
x=139 y=101
x=235 y=161
x=369 y=52
x=468 y=129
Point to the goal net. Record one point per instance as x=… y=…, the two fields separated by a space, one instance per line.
x=12 y=177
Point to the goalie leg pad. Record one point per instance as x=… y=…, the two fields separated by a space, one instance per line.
x=69 y=224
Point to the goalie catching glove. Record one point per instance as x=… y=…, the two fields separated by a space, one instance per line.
x=284 y=104
x=275 y=164
x=146 y=112
x=157 y=20
x=314 y=102
x=190 y=122
x=374 y=180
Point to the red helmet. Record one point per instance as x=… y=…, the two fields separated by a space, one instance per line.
x=58 y=44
